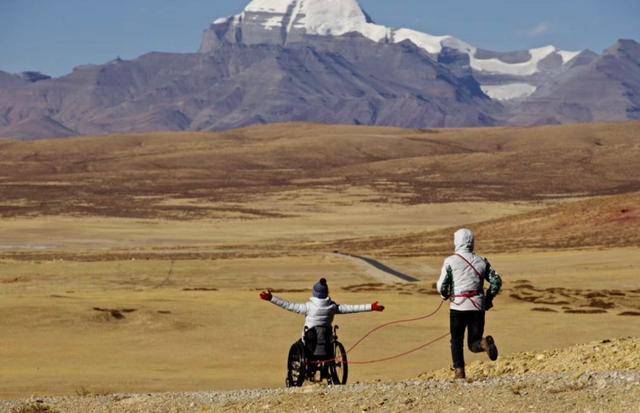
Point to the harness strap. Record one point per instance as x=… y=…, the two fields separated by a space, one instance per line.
x=469 y=294
x=471 y=266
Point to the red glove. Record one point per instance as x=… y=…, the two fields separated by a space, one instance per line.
x=377 y=307
x=266 y=295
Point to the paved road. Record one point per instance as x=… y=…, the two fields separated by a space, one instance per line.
x=380 y=266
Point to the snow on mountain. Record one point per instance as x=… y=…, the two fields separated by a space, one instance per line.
x=288 y=21
x=509 y=91
x=222 y=20
x=430 y=43
x=269 y=6
x=567 y=56
x=337 y=17
x=527 y=68
x=314 y=17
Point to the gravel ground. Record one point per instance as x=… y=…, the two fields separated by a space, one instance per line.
x=532 y=385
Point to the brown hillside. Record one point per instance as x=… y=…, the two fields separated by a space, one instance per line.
x=133 y=175
x=600 y=222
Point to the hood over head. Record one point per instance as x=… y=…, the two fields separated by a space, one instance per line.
x=464 y=240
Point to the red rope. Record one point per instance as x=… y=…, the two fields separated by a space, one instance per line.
x=380 y=327
x=406 y=353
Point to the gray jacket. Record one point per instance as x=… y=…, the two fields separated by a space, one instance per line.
x=319 y=311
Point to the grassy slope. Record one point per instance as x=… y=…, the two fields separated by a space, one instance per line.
x=598 y=222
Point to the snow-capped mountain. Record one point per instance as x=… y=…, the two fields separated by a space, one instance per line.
x=592 y=88
x=505 y=76
x=323 y=61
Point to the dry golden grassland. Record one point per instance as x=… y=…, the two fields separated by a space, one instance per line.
x=214 y=175
x=133 y=263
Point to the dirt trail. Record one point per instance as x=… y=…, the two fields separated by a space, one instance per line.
x=600 y=376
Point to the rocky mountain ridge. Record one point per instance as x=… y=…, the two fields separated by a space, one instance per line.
x=323 y=61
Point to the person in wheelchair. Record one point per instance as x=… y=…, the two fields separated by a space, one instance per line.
x=318 y=338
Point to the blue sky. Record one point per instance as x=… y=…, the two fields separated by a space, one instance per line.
x=53 y=36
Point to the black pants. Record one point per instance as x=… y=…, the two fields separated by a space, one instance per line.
x=473 y=322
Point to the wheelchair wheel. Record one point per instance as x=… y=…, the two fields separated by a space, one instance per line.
x=296 y=365
x=340 y=367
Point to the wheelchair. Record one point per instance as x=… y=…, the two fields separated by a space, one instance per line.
x=316 y=358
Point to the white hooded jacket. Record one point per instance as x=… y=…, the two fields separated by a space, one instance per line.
x=319 y=311
x=466 y=280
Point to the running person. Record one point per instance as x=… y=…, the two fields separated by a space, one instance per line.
x=462 y=282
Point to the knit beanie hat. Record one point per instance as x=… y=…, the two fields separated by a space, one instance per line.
x=321 y=289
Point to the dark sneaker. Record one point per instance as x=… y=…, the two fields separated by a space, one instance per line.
x=489 y=345
x=459 y=374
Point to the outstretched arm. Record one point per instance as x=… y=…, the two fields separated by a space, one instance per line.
x=287 y=305
x=360 y=308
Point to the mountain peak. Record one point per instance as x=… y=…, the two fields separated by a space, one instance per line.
x=282 y=6
x=314 y=17
x=622 y=45
x=33 y=77
x=289 y=21
x=284 y=22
